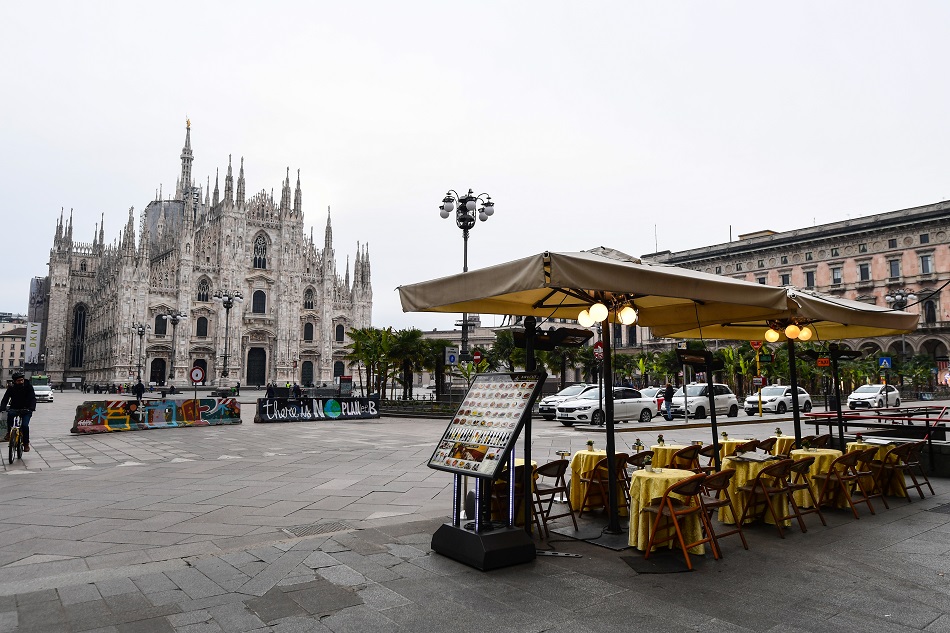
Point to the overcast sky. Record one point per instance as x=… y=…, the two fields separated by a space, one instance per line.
x=640 y=126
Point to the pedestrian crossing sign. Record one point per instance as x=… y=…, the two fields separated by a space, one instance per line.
x=884 y=362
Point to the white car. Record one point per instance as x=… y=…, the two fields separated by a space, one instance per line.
x=44 y=393
x=777 y=399
x=697 y=401
x=548 y=405
x=656 y=394
x=874 y=396
x=586 y=408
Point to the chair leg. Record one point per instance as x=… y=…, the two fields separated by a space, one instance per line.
x=775 y=517
x=679 y=536
x=796 y=511
x=817 y=506
x=653 y=530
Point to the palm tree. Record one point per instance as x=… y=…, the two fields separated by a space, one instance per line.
x=408 y=351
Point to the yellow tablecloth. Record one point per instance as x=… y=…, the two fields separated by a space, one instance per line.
x=583 y=462
x=745 y=473
x=646 y=486
x=823 y=458
x=663 y=454
x=783 y=444
x=895 y=488
x=726 y=447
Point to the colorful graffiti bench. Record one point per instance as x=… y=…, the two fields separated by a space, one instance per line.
x=106 y=416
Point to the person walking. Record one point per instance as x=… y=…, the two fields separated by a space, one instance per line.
x=139 y=390
x=668 y=399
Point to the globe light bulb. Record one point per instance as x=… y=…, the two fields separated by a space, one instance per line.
x=792 y=331
x=444 y=213
x=585 y=319
x=628 y=316
x=805 y=334
x=598 y=312
x=771 y=335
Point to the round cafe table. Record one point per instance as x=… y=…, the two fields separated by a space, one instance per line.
x=663 y=454
x=895 y=489
x=823 y=458
x=583 y=462
x=646 y=486
x=783 y=444
x=728 y=446
x=746 y=472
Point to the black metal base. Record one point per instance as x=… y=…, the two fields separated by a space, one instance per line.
x=501 y=547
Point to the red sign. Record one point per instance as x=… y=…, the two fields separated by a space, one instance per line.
x=823 y=362
x=599 y=350
x=755 y=344
x=197 y=374
x=477 y=356
x=758 y=381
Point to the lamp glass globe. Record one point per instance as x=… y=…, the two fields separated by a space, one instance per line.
x=792 y=331
x=598 y=312
x=628 y=316
x=585 y=319
x=470 y=205
x=771 y=335
x=444 y=213
x=805 y=334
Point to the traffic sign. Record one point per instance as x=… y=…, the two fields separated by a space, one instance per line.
x=758 y=381
x=765 y=358
x=823 y=361
x=755 y=345
x=197 y=374
x=477 y=357
x=451 y=356
x=599 y=350
x=884 y=362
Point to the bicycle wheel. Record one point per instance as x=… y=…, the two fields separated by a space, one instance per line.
x=19 y=446
x=13 y=443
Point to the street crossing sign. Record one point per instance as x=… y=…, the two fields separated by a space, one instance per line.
x=884 y=362
x=451 y=356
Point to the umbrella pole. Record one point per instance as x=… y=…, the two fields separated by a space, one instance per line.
x=837 y=391
x=528 y=481
x=793 y=379
x=613 y=525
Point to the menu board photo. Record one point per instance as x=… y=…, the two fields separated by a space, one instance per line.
x=487 y=424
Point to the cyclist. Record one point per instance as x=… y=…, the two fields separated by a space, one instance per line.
x=22 y=401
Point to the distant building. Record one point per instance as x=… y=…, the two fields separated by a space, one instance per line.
x=291 y=326
x=12 y=351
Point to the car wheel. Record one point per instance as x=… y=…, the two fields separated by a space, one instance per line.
x=897 y=402
x=548 y=417
x=851 y=406
x=733 y=411
x=597 y=417
x=750 y=411
x=567 y=422
x=646 y=415
x=781 y=408
x=880 y=404
x=807 y=406
x=700 y=413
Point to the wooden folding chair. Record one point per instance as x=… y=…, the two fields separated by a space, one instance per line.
x=745 y=447
x=686 y=458
x=821 y=441
x=545 y=492
x=800 y=481
x=709 y=452
x=500 y=500
x=870 y=471
x=769 y=488
x=674 y=509
x=842 y=480
x=905 y=460
x=767 y=444
x=637 y=461
x=598 y=478
x=716 y=496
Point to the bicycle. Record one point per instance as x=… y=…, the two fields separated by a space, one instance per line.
x=16 y=437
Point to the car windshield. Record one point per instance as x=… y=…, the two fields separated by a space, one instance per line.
x=650 y=392
x=573 y=390
x=593 y=394
x=868 y=389
x=691 y=390
x=773 y=391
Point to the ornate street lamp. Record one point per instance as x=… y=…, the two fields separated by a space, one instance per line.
x=227 y=299
x=898 y=299
x=174 y=317
x=466 y=208
x=141 y=329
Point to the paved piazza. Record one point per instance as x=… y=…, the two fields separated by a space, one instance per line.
x=326 y=526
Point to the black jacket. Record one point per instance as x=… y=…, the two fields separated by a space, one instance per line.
x=668 y=393
x=19 y=397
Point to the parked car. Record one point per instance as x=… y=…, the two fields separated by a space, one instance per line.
x=874 y=396
x=548 y=405
x=44 y=393
x=697 y=401
x=628 y=405
x=657 y=394
x=777 y=399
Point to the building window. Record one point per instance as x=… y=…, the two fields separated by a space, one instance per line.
x=260 y=252
x=834 y=251
x=808 y=256
x=926 y=264
x=930 y=312
x=761 y=263
x=339 y=333
x=82 y=266
x=718 y=270
x=204 y=290
x=761 y=280
x=631 y=335
x=739 y=266
x=308 y=332
x=894 y=268
x=786 y=279
x=864 y=272
x=892 y=242
x=161 y=325
x=862 y=248
x=201 y=327
x=618 y=337
x=308 y=300
x=338 y=368
x=78 y=344
x=836 y=276
x=259 y=302
x=925 y=238
x=784 y=259
x=809 y=278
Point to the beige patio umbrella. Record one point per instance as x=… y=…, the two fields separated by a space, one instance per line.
x=560 y=285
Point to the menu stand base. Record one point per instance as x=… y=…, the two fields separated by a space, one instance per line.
x=489 y=550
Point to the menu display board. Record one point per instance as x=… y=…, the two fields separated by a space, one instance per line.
x=487 y=424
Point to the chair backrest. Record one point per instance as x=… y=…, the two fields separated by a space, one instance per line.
x=688 y=487
x=638 y=460
x=802 y=466
x=686 y=457
x=620 y=465
x=810 y=439
x=555 y=469
x=779 y=470
x=912 y=455
x=502 y=482
x=708 y=451
x=867 y=455
x=719 y=481
x=767 y=444
x=846 y=463
x=747 y=447
x=822 y=441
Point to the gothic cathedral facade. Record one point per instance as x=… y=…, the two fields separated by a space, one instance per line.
x=155 y=304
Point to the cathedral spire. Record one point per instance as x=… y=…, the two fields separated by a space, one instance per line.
x=59 y=228
x=328 y=236
x=285 y=195
x=298 y=197
x=229 y=184
x=240 y=185
x=102 y=234
x=217 y=193
x=186 y=160
x=346 y=280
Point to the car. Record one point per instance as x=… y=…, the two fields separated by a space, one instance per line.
x=44 y=393
x=697 y=401
x=777 y=399
x=629 y=404
x=657 y=394
x=548 y=405
x=874 y=396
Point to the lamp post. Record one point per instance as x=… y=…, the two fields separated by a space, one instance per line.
x=227 y=298
x=898 y=299
x=174 y=317
x=141 y=329
x=466 y=208
x=793 y=330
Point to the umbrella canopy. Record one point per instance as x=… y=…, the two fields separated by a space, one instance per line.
x=560 y=285
x=829 y=318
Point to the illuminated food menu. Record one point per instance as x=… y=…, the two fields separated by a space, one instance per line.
x=487 y=424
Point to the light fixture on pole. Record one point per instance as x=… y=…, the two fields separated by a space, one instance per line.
x=466 y=208
x=174 y=317
x=898 y=299
x=141 y=329
x=227 y=299
x=794 y=329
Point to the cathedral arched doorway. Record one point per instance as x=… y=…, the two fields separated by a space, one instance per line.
x=157 y=371
x=200 y=362
x=306 y=373
x=256 y=366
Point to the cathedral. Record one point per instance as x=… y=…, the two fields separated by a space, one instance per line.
x=211 y=279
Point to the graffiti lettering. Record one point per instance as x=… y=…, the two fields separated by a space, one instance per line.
x=297 y=410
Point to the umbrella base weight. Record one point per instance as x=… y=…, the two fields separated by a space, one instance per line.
x=489 y=550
